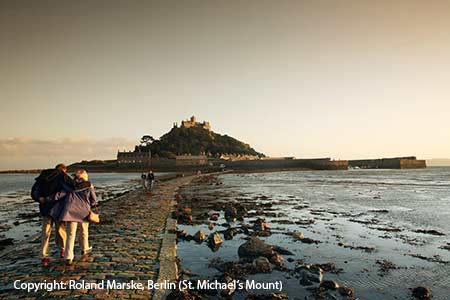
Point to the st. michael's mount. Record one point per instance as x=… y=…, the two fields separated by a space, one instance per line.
x=193 y=145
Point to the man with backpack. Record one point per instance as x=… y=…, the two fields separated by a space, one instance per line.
x=47 y=184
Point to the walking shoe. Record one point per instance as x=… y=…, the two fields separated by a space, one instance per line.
x=69 y=262
x=45 y=261
x=61 y=254
x=87 y=251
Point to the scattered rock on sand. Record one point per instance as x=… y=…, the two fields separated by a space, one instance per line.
x=310 y=274
x=422 y=293
x=276 y=259
x=182 y=234
x=260 y=225
x=179 y=295
x=432 y=232
x=368 y=249
x=214 y=217
x=6 y=242
x=445 y=247
x=281 y=250
x=214 y=240
x=184 y=215
x=262 y=265
x=254 y=248
x=226 y=293
x=346 y=291
x=330 y=267
x=200 y=236
x=273 y=296
x=386 y=265
x=230 y=213
x=230 y=233
x=329 y=285
x=297 y=235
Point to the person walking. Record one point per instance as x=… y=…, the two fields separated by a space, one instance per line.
x=150 y=180
x=144 y=181
x=47 y=184
x=74 y=209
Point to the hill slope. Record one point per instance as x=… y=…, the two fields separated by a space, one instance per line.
x=197 y=140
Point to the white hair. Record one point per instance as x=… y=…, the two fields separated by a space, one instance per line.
x=82 y=174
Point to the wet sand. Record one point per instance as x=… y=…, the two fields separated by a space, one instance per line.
x=316 y=247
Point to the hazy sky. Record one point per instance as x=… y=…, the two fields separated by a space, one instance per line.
x=340 y=79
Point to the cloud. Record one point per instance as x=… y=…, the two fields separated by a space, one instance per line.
x=26 y=152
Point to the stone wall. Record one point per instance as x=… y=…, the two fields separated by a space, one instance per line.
x=314 y=164
x=409 y=162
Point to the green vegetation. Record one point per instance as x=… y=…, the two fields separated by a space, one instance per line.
x=196 y=140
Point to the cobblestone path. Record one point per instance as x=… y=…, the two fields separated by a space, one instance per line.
x=126 y=247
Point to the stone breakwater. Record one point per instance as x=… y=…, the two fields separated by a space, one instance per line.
x=131 y=244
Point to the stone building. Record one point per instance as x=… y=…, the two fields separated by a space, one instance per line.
x=135 y=158
x=191 y=160
x=193 y=122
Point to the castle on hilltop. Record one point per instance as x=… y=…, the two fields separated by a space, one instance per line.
x=193 y=122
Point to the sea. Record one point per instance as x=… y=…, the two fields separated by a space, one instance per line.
x=386 y=231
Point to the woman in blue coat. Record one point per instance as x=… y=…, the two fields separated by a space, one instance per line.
x=73 y=208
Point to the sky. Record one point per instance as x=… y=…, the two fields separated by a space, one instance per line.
x=340 y=79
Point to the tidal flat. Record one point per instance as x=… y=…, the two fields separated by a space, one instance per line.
x=357 y=234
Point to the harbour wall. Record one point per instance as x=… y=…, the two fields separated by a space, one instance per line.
x=409 y=162
x=312 y=164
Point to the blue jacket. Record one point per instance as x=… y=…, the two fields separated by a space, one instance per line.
x=74 y=205
x=48 y=183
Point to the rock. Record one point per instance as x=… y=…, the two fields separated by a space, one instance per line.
x=272 y=296
x=184 y=215
x=305 y=281
x=345 y=291
x=254 y=248
x=226 y=293
x=179 y=295
x=199 y=236
x=310 y=274
x=298 y=235
x=214 y=240
x=281 y=250
x=329 y=285
x=386 y=265
x=230 y=213
x=211 y=226
x=276 y=259
x=432 y=232
x=7 y=242
x=214 y=217
x=422 y=293
x=260 y=225
x=241 y=211
x=330 y=267
x=309 y=241
x=234 y=269
x=230 y=233
x=262 y=265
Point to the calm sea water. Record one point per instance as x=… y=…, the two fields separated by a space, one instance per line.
x=19 y=214
x=351 y=208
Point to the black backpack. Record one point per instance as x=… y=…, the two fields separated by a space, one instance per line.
x=46 y=184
